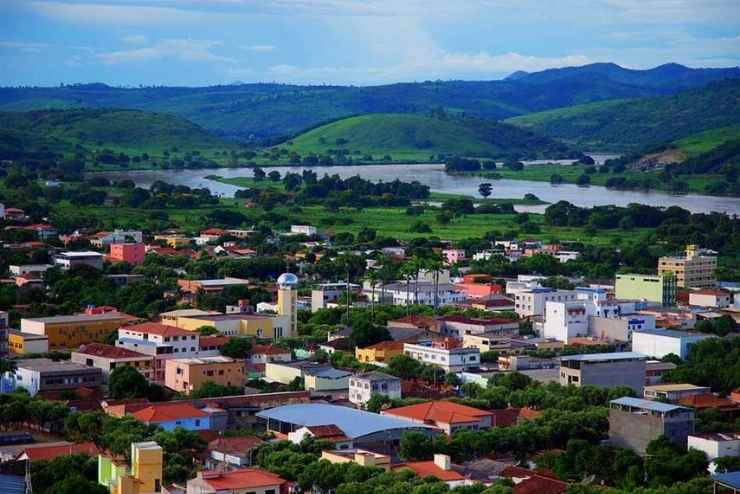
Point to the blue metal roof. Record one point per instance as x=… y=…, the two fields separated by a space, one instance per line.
x=354 y=423
x=12 y=484
x=596 y=357
x=655 y=406
x=731 y=479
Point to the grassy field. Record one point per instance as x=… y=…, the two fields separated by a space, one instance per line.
x=706 y=141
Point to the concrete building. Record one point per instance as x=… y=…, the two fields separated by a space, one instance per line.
x=440 y=468
x=531 y=302
x=565 y=320
x=459 y=326
x=75 y=330
x=144 y=476
x=263 y=326
x=330 y=292
x=660 y=342
x=445 y=354
x=26 y=343
x=287 y=302
x=307 y=230
x=424 y=293
x=621 y=327
x=227 y=453
x=69 y=260
x=362 y=457
x=186 y=375
x=104 y=239
x=325 y=379
x=660 y=289
x=453 y=256
x=654 y=370
x=447 y=416
x=692 y=270
x=35 y=270
x=241 y=481
x=45 y=375
x=379 y=353
x=108 y=357
x=210 y=286
x=710 y=297
x=131 y=253
x=716 y=444
x=634 y=422
x=607 y=370
x=674 y=392
x=363 y=386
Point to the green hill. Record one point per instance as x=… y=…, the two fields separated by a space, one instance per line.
x=418 y=137
x=632 y=125
x=708 y=140
x=135 y=131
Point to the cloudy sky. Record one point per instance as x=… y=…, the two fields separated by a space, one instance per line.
x=199 y=42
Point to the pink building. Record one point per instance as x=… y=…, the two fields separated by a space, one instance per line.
x=453 y=256
x=130 y=253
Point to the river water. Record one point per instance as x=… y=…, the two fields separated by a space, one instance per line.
x=435 y=177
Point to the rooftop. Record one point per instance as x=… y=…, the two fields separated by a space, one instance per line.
x=430 y=469
x=48 y=365
x=731 y=479
x=718 y=436
x=672 y=333
x=604 y=357
x=238 y=445
x=653 y=406
x=166 y=412
x=218 y=359
x=83 y=253
x=374 y=375
x=245 y=478
x=446 y=412
x=109 y=351
x=673 y=387
x=36 y=453
x=79 y=317
x=354 y=423
x=159 y=329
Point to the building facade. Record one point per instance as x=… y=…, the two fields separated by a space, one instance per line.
x=660 y=289
x=634 y=423
x=45 y=375
x=73 y=331
x=186 y=375
x=109 y=357
x=606 y=370
x=444 y=354
x=660 y=342
x=363 y=386
x=692 y=270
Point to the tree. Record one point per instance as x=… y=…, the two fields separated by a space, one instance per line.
x=364 y=333
x=416 y=446
x=126 y=382
x=210 y=389
x=207 y=331
x=7 y=365
x=258 y=174
x=404 y=367
x=485 y=189
x=237 y=348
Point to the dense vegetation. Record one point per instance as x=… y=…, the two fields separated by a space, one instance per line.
x=635 y=124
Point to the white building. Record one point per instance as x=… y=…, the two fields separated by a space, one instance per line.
x=710 y=297
x=403 y=293
x=36 y=270
x=659 y=342
x=117 y=237
x=304 y=230
x=716 y=444
x=444 y=355
x=565 y=320
x=566 y=255
x=531 y=302
x=363 y=386
x=68 y=260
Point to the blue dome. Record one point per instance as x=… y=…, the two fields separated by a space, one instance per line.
x=287 y=279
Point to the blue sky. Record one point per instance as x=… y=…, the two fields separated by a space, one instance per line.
x=199 y=42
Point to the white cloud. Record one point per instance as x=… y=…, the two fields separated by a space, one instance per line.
x=259 y=48
x=23 y=47
x=135 y=39
x=185 y=50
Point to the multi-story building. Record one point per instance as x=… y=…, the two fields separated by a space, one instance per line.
x=330 y=292
x=692 y=270
x=423 y=292
x=263 y=326
x=69 y=260
x=186 y=375
x=674 y=392
x=307 y=230
x=108 y=357
x=660 y=289
x=211 y=285
x=531 y=302
x=446 y=354
x=606 y=370
x=144 y=476
x=459 y=326
x=75 y=330
x=26 y=344
x=363 y=386
x=659 y=342
x=634 y=423
x=131 y=253
x=710 y=297
x=42 y=375
x=453 y=256
x=620 y=327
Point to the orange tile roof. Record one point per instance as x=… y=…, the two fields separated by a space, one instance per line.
x=206 y=341
x=446 y=412
x=109 y=351
x=241 y=479
x=51 y=452
x=158 y=329
x=707 y=400
x=534 y=481
x=387 y=345
x=428 y=468
x=328 y=432
x=165 y=412
x=239 y=445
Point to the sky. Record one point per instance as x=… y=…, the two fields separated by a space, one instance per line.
x=361 y=42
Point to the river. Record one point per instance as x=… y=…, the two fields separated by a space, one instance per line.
x=435 y=177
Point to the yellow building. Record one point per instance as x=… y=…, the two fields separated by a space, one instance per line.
x=144 y=477
x=25 y=344
x=381 y=352
x=73 y=331
x=287 y=303
x=257 y=325
x=692 y=270
x=174 y=241
x=359 y=456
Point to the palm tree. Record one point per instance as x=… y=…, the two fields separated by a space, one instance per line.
x=407 y=271
x=435 y=265
x=372 y=277
x=417 y=264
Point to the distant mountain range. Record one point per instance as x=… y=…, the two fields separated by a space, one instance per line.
x=270 y=112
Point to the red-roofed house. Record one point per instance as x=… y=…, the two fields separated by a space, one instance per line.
x=262 y=354
x=37 y=453
x=534 y=481
x=440 y=468
x=252 y=480
x=108 y=357
x=445 y=415
x=232 y=452
x=169 y=415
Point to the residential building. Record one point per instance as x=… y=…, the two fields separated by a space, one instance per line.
x=131 y=253
x=363 y=386
x=186 y=375
x=716 y=444
x=674 y=392
x=75 y=330
x=42 y=375
x=241 y=481
x=366 y=430
x=263 y=326
x=261 y=354
x=606 y=370
x=226 y=453
x=634 y=423
x=531 y=302
x=47 y=452
x=379 y=353
x=34 y=270
x=446 y=354
x=325 y=379
x=660 y=289
x=619 y=327
x=710 y=297
x=170 y=318
x=458 y=326
x=144 y=476
x=104 y=239
x=423 y=292
x=654 y=370
x=659 y=342
x=692 y=270
x=108 y=357
x=440 y=468
x=69 y=260
x=161 y=341
x=453 y=256
x=26 y=343
x=330 y=292
x=501 y=345
x=170 y=415
x=307 y=230
x=360 y=456
x=447 y=416
x=527 y=481
x=210 y=286
x=565 y=320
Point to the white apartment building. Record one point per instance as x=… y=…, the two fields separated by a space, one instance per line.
x=565 y=320
x=660 y=342
x=531 y=302
x=422 y=293
x=444 y=355
x=68 y=260
x=362 y=387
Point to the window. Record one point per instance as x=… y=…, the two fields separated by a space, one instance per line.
x=157 y=485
